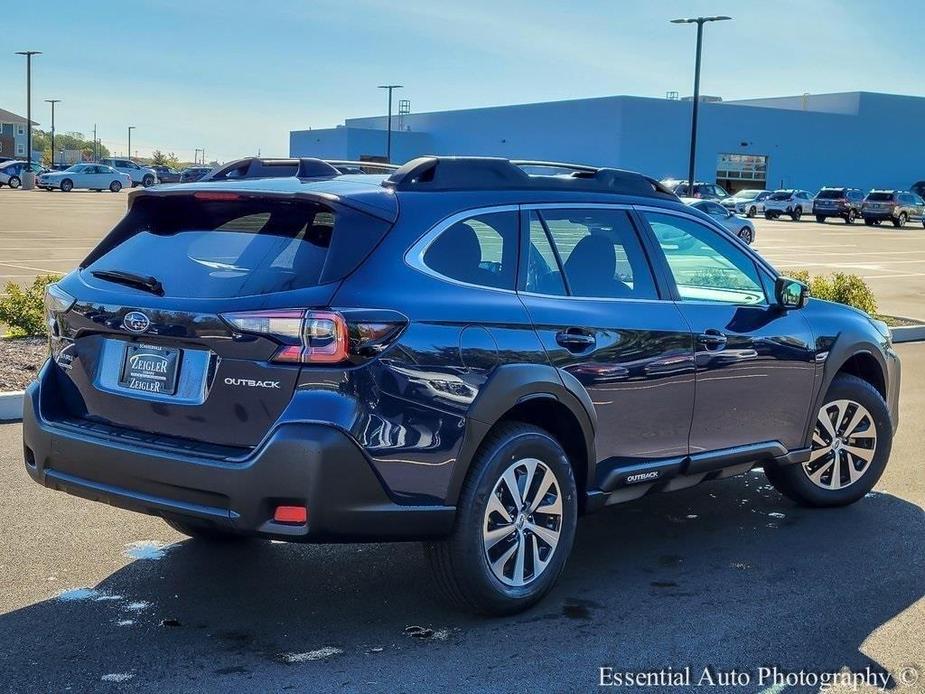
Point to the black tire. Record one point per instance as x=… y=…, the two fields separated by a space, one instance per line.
x=769 y=216
x=206 y=533
x=15 y=182
x=796 y=214
x=901 y=221
x=115 y=186
x=460 y=563
x=67 y=185
x=820 y=219
x=851 y=216
x=147 y=181
x=793 y=480
x=868 y=222
x=752 y=211
x=746 y=235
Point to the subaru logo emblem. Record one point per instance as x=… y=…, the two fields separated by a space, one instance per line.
x=136 y=322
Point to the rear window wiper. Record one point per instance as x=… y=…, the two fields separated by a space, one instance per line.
x=148 y=284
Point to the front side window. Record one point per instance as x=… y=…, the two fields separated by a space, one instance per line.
x=600 y=254
x=706 y=266
x=480 y=250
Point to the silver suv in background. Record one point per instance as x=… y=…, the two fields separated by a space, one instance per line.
x=788 y=201
x=733 y=223
x=140 y=175
x=701 y=191
x=748 y=202
x=895 y=206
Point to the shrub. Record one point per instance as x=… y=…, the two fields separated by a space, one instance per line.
x=23 y=310
x=840 y=287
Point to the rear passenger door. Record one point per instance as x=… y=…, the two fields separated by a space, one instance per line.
x=593 y=298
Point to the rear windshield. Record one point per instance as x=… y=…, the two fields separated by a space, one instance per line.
x=783 y=195
x=832 y=194
x=876 y=197
x=218 y=249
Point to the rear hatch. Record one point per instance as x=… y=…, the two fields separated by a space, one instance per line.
x=157 y=341
x=880 y=202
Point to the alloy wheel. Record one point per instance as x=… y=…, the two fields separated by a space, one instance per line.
x=522 y=523
x=844 y=445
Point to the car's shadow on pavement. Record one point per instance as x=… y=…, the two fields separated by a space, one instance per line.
x=729 y=575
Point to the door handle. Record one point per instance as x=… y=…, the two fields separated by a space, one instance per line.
x=575 y=339
x=712 y=339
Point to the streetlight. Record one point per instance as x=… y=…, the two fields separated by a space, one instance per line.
x=53 y=102
x=130 y=129
x=388 y=142
x=699 y=21
x=29 y=177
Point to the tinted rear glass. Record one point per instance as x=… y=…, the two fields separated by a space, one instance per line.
x=880 y=197
x=216 y=249
x=781 y=196
x=834 y=194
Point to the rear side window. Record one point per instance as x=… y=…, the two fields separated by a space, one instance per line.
x=600 y=253
x=480 y=250
x=217 y=249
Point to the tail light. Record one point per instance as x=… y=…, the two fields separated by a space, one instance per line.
x=321 y=337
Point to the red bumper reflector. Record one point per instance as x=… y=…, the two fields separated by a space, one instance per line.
x=291 y=514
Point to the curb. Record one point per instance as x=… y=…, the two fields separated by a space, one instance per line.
x=908 y=333
x=11 y=406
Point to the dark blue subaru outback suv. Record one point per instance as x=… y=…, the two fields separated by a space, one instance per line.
x=470 y=351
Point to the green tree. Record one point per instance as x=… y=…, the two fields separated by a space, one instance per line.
x=41 y=142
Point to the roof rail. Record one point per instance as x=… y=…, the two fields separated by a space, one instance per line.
x=256 y=167
x=493 y=173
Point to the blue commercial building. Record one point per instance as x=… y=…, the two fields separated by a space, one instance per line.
x=860 y=139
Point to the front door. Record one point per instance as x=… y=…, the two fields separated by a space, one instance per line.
x=590 y=291
x=755 y=361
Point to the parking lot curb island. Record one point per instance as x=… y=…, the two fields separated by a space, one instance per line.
x=11 y=406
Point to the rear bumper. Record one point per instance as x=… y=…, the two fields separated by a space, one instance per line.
x=300 y=464
x=877 y=214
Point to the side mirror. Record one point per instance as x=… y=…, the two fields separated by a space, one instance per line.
x=790 y=293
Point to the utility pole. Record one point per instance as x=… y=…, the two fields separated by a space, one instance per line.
x=388 y=141
x=130 y=129
x=96 y=156
x=699 y=21
x=53 y=102
x=29 y=177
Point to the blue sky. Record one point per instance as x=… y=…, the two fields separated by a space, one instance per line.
x=235 y=77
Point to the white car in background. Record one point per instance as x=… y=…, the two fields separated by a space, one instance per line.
x=91 y=176
x=140 y=175
x=788 y=201
x=748 y=202
x=733 y=223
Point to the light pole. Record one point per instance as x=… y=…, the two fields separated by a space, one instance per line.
x=29 y=177
x=130 y=129
x=53 y=102
x=388 y=141
x=699 y=21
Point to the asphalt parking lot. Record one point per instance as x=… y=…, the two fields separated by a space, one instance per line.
x=726 y=575
x=51 y=232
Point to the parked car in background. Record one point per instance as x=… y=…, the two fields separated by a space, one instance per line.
x=90 y=176
x=790 y=202
x=11 y=172
x=733 y=223
x=838 y=202
x=701 y=191
x=194 y=173
x=165 y=174
x=140 y=175
x=895 y=206
x=748 y=202
x=315 y=358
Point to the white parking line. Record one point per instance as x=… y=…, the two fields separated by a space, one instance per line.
x=29 y=267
